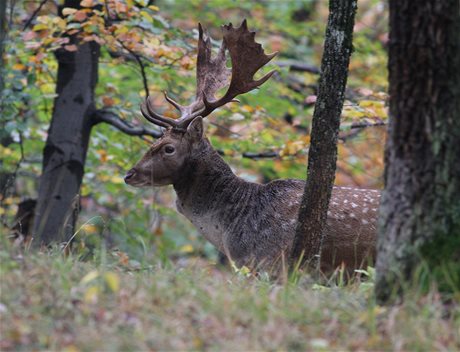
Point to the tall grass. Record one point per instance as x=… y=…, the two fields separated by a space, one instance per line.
x=57 y=302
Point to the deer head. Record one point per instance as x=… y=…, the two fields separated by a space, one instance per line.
x=163 y=162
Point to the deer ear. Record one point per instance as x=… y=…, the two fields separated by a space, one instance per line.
x=195 y=129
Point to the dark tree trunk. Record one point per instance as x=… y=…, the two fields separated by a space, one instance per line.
x=325 y=128
x=3 y=29
x=67 y=142
x=420 y=210
x=5 y=138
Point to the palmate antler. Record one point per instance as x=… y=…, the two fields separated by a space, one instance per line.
x=212 y=74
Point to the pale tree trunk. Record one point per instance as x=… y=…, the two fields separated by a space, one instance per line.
x=420 y=209
x=67 y=143
x=322 y=155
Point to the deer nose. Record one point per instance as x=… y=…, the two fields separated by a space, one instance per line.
x=130 y=175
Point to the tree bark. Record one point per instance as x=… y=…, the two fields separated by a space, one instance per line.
x=325 y=128
x=3 y=30
x=67 y=143
x=420 y=209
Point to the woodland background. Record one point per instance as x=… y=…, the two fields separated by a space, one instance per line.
x=151 y=48
x=138 y=275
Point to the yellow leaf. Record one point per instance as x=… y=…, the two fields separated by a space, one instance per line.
x=6 y=151
x=68 y=11
x=8 y=200
x=18 y=67
x=59 y=22
x=117 y=179
x=247 y=108
x=92 y=275
x=112 y=280
x=154 y=8
x=91 y=294
x=187 y=248
x=40 y=26
x=146 y=16
x=87 y=3
x=89 y=228
x=292 y=148
x=122 y=30
x=102 y=155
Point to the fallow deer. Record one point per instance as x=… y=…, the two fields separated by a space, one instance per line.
x=254 y=224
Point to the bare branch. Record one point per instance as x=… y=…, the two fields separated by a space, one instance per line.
x=298 y=66
x=358 y=125
x=256 y=156
x=138 y=59
x=124 y=126
x=34 y=14
x=261 y=155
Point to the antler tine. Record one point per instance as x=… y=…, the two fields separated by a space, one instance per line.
x=212 y=74
x=150 y=118
x=247 y=58
x=174 y=103
x=154 y=117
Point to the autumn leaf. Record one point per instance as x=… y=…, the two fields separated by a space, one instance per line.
x=87 y=3
x=29 y=35
x=107 y=101
x=68 y=11
x=40 y=27
x=19 y=67
x=102 y=155
x=112 y=280
x=187 y=248
x=91 y=276
x=80 y=15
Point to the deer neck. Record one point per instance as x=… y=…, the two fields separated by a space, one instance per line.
x=208 y=193
x=204 y=177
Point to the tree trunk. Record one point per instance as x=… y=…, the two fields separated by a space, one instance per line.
x=67 y=143
x=420 y=209
x=5 y=138
x=3 y=30
x=325 y=128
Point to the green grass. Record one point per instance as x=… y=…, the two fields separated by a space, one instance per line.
x=56 y=302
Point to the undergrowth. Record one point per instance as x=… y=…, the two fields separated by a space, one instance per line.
x=56 y=302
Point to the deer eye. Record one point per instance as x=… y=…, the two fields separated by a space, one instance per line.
x=169 y=149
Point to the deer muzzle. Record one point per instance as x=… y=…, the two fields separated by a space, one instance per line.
x=130 y=176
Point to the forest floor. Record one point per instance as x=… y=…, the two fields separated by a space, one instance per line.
x=56 y=302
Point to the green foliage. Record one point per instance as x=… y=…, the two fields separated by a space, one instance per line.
x=441 y=264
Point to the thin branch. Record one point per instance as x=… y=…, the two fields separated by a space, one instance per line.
x=124 y=126
x=34 y=14
x=358 y=125
x=261 y=155
x=348 y=132
x=256 y=156
x=138 y=59
x=298 y=66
